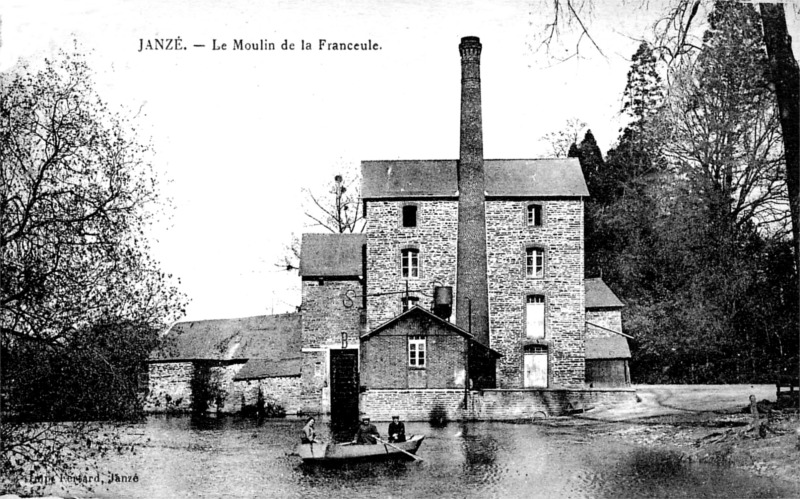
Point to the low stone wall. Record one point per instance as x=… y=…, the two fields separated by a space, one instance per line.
x=412 y=405
x=283 y=391
x=486 y=405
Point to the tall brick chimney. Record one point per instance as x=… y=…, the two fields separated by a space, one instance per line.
x=471 y=273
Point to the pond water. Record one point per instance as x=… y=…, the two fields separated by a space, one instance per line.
x=233 y=457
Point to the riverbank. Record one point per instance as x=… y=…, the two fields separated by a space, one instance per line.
x=705 y=423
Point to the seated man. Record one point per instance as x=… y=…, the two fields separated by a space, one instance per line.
x=397 y=430
x=367 y=433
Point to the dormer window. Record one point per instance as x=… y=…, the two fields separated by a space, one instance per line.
x=534 y=262
x=534 y=215
x=410 y=215
x=409 y=263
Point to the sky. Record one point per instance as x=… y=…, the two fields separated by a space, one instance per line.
x=237 y=134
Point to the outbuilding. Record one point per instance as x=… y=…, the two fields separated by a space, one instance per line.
x=419 y=350
x=607 y=351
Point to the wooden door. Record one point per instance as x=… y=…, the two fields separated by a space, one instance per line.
x=344 y=385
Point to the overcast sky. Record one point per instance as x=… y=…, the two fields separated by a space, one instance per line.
x=238 y=133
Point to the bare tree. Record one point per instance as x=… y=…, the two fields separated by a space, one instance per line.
x=335 y=207
x=722 y=122
x=561 y=140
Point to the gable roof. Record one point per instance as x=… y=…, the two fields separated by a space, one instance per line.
x=264 y=336
x=269 y=368
x=555 y=177
x=417 y=310
x=599 y=295
x=332 y=255
x=609 y=347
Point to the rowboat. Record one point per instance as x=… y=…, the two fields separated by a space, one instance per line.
x=322 y=452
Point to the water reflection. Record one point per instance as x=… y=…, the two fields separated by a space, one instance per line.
x=234 y=457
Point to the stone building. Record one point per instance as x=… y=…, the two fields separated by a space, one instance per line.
x=464 y=297
x=221 y=365
x=505 y=237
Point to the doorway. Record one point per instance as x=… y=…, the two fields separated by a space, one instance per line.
x=535 y=367
x=344 y=388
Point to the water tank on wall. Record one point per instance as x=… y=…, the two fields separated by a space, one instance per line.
x=443 y=301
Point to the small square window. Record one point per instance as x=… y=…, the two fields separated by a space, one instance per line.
x=409 y=216
x=534 y=215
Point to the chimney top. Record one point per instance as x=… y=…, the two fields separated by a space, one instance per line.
x=470 y=45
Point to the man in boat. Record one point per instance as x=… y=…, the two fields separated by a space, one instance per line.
x=397 y=430
x=309 y=435
x=366 y=433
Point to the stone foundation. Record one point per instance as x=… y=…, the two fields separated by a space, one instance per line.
x=487 y=405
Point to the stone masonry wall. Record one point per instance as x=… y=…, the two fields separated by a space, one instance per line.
x=313 y=376
x=487 y=405
x=611 y=319
x=561 y=237
x=170 y=387
x=283 y=391
x=435 y=236
x=222 y=377
x=329 y=310
x=326 y=314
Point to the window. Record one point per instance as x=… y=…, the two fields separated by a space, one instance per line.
x=409 y=263
x=416 y=351
x=409 y=216
x=534 y=316
x=534 y=262
x=534 y=215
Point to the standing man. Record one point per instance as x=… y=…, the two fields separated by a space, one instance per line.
x=367 y=433
x=397 y=430
x=309 y=435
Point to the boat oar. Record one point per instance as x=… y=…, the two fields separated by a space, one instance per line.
x=398 y=448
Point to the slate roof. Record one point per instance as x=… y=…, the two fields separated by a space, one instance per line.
x=556 y=177
x=611 y=347
x=417 y=310
x=332 y=255
x=264 y=337
x=268 y=368
x=599 y=295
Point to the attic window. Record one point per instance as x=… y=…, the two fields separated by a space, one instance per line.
x=534 y=215
x=410 y=215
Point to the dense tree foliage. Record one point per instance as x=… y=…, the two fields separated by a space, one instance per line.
x=688 y=217
x=81 y=300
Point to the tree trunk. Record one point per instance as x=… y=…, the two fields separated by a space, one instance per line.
x=786 y=77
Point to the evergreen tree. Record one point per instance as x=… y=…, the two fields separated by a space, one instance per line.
x=643 y=92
